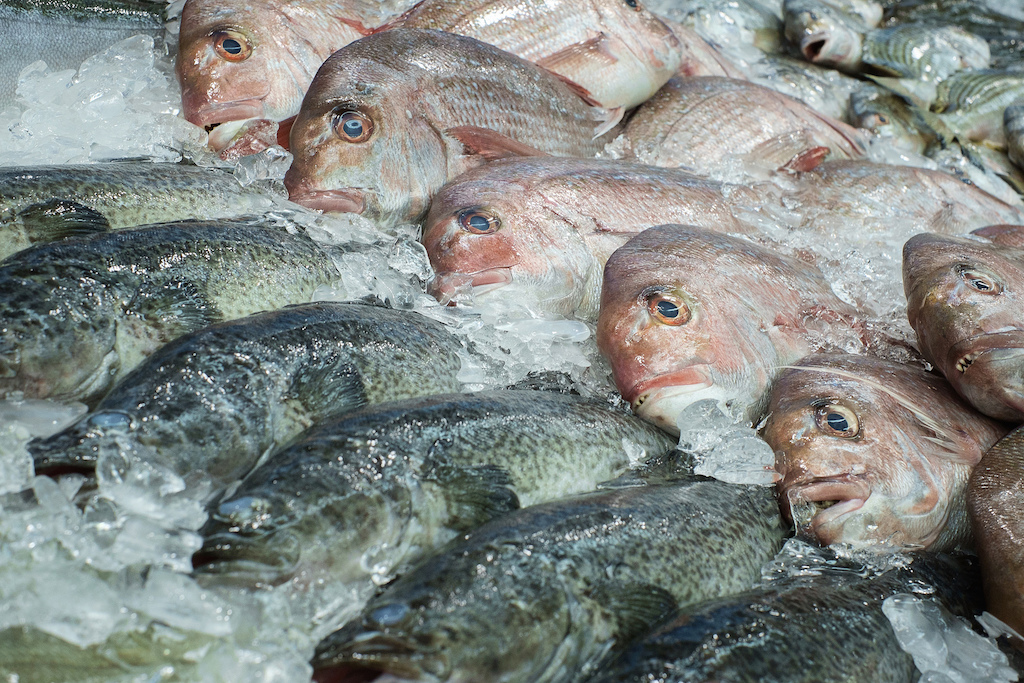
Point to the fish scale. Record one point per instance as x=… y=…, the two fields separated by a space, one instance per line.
x=925 y=52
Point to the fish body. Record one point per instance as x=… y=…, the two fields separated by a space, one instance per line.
x=825 y=625
x=824 y=90
x=44 y=203
x=619 y=52
x=392 y=117
x=688 y=314
x=80 y=313
x=540 y=229
x=372 y=491
x=64 y=34
x=890 y=117
x=928 y=53
x=994 y=498
x=873 y=452
x=826 y=34
x=212 y=402
x=963 y=303
x=747 y=22
x=255 y=60
x=972 y=104
x=1013 y=129
x=544 y=593
x=715 y=125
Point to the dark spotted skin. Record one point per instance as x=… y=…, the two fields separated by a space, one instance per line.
x=80 y=313
x=541 y=594
x=215 y=400
x=826 y=626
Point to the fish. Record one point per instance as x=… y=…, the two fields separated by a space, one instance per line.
x=994 y=503
x=732 y=129
x=80 y=313
x=688 y=314
x=700 y=57
x=540 y=229
x=820 y=623
x=547 y=592
x=41 y=204
x=64 y=34
x=875 y=453
x=826 y=34
x=972 y=104
x=392 y=117
x=619 y=52
x=923 y=52
x=746 y=22
x=1013 y=130
x=363 y=495
x=254 y=61
x=891 y=117
x=208 y=405
x=824 y=90
x=962 y=304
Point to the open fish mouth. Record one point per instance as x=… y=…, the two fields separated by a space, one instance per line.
x=821 y=503
x=367 y=656
x=447 y=287
x=813 y=45
x=270 y=559
x=660 y=400
x=967 y=352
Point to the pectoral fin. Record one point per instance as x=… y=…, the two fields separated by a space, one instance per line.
x=491 y=144
x=580 y=56
x=56 y=219
x=476 y=493
x=327 y=390
x=174 y=308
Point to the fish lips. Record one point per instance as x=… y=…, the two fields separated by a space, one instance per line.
x=846 y=493
x=212 y=114
x=988 y=371
x=344 y=200
x=661 y=399
x=362 y=655
x=446 y=286
x=267 y=559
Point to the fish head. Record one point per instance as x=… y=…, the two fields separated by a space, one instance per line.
x=963 y=303
x=681 y=322
x=887 y=115
x=873 y=452
x=361 y=143
x=252 y=60
x=490 y=234
x=77 y=449
x=824 y=34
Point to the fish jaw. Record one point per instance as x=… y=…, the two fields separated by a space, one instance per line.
x=847 y=494
x=661 y=399
x=344 y=200
x=364 y=648
x=450 y=287
x=989 y=372
x=255 y=559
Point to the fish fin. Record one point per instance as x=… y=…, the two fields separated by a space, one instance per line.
x=590 y=51
x=284 y=132
x=476 y=493
x=176 y=306
x=807 y=160
x=326 y=390
x=359 y=26
x=636 y=607
x=56 y=219
x=491 y=144
x=611 y=118
x=1003 y=235
x=918 y=93
x=576 y=88
x=608 y=117
x=399 y=21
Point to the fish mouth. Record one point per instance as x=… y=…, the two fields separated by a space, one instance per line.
x=269 y=559
x=813 y=45
x=820 y=504
x=661 y=399
x=345 y=200
x=368 y=654
x=446 y=286
x=988 y=371
x=213 y=115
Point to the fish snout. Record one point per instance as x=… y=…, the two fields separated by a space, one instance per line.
x=992 y=380
x=256 y=558
x=815 y=504
x=342 y=200
x=450 y=288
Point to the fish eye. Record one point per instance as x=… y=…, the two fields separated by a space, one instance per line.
x=479 y=222
x=634 y=4
x=668 y=309
x=882 y=119
x=837 y=420
x=231 y=45
x=978 y=281
x=110 y=420
x=352 y=126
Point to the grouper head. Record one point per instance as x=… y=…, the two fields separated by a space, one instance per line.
x=874 y=453
x=963 y=301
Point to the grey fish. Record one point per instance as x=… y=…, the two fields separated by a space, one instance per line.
x=64 y=33
x=971 y=103
x=209 y=404
x=544 y=593
x=822 y=625
x=1013 y=129
x=80 y=313
x=370 y=491
x=46 y=203
x=826 y=34
x=925 y=52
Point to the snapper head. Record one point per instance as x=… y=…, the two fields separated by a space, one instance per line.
x=874 y=453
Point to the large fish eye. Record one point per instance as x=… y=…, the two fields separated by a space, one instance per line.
x=634 y=4
x=479 y=222
x=353 y=126
x=231 y=45
x=978 y=281
x=837 y=420
x=668 y=309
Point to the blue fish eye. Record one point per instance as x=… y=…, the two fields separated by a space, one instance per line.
x=388 y=615
x=112 y=419
x=353 y=128
x=232 y=46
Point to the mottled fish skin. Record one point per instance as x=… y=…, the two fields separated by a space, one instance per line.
x=688 y=314
x=822 y=626
x=209 y=404
x=875 y=453
x=540 y=229
x=726 y=127
x=994 y=498
x=546 y=592
x=255 y=59
x=972 y=103
x=384 y=123
x=360 y=497
x=618 y=51
x=80 y=313
x=963 y=301
x=65 y=33
x=44 y=203
x=824 y=34
x=924 y=52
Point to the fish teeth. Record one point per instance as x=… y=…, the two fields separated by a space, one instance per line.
x=640 y=400
x=966 y=361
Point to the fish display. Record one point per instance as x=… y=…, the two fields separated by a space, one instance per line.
x=715 y=125
x=246 y=61
x=41 y=204
x=994 y=502
x=924 y=52
x=962 y=304
x=64 y=34
x=546 y=592
x=972 y=104
x=825 y=33
x=209 y=404
x=824 y=625
x=80 y=313
x=391 y=118
x=541 y=229
x=619 y=52
x=363 y=495
x=873 y=452
x=688 y=314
